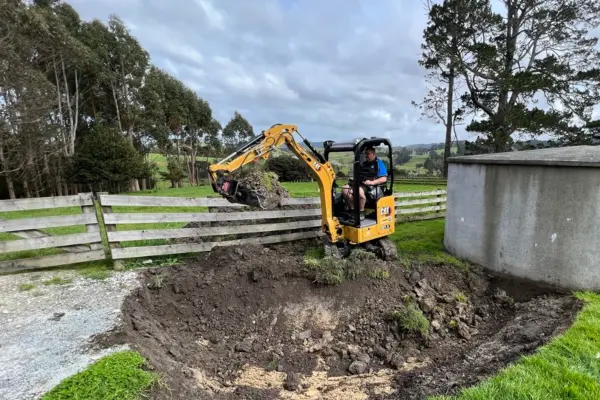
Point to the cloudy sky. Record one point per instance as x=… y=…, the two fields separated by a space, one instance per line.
x=338 y=69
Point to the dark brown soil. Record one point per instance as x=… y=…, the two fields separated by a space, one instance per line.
x=206 y=324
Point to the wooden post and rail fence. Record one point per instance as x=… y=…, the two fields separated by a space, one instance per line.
x=138 y=226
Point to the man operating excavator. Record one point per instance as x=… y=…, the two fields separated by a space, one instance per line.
x=373 y=173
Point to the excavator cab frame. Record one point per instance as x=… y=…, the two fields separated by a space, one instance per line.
x=379 y=221
x=358 y=148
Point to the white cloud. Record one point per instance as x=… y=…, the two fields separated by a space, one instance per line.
x=338 y=69
x=381 y=115
x=213 y=15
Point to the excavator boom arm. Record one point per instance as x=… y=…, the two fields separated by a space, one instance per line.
x=261 y=148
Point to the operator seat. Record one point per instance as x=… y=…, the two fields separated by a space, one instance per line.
x=374 y=193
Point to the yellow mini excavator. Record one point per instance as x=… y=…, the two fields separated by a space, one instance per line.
x=342 y=225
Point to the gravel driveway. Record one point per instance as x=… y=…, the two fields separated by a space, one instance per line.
x=45 y=331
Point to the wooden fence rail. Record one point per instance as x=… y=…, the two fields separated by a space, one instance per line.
x=134 y=231
x=79 y=247
x=409 y=206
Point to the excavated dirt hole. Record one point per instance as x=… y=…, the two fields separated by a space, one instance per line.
x=247 y=323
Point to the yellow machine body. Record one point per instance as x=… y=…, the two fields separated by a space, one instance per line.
x=385 y=225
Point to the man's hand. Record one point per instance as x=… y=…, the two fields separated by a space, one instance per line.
x=369 y=183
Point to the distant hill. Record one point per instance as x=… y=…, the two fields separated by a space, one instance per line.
x=439 y=145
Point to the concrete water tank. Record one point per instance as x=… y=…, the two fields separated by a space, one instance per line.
x=531 y=214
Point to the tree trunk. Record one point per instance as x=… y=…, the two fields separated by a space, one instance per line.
x=187 y=167
x=9 y=182
x=31 y=171
x=134 y=186
x=60 y=110
x=76 y=119
x=112 y=85
x=59 y=189
x=130 y=134
x=26 y=187
x=11 y=187
x=46 y=177
x=193 y=171
x=449 y=120
x=71 y=117
x=38 y=184
x=58 y=176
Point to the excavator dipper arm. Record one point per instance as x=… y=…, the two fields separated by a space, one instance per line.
x=260 y=148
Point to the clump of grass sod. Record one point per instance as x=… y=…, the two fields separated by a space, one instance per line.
x=24 y=287
x=411 y=319
x=57 y=280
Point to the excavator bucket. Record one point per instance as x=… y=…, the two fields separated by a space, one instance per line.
x=235 y=192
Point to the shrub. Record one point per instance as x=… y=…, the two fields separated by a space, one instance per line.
x=175 y=173
x=289 y=168
x=106 y=160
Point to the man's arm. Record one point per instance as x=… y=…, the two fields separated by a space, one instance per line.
x=378 y=181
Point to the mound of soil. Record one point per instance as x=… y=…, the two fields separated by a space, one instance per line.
x=248 y=322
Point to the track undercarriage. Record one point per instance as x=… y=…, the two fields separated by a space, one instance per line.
x=384 y=248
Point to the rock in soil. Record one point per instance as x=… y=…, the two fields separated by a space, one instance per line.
x=244 y=346
x=358 y=367
x=292 y=381
x=397 y=361
x=227 y=326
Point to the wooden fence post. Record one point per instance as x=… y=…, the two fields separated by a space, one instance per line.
x=117 y=264
x=439 y=203
x=92 y=228
x=212 y=209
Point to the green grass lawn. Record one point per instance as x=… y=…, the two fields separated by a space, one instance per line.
x=453 y=149
x=422 y=241
x=119 y=376
x=296 y=189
